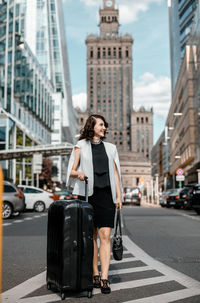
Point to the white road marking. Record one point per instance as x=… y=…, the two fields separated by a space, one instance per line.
x=24 y=288
x=167 y=297
x=42 y=299
x=192 y=286
x=129 y=270
x=191 y=217
x=7 y=224
x=24 y=219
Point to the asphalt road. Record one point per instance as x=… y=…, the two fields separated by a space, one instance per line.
x=153 y=238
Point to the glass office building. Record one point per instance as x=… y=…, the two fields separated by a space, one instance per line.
x=40 y=23
x=181 y=14
x=45 y=33
x=26 y=94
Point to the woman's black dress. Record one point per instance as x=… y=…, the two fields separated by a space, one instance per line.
x=101 y=200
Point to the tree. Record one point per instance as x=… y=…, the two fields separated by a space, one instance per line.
x=46 y=174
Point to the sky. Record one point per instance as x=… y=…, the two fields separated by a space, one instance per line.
x=147 y=22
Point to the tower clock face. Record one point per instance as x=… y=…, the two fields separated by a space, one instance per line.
x=109 y=3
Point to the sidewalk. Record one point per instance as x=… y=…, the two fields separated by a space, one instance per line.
x=148 y=204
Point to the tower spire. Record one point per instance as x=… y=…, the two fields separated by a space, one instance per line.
x=109 y=19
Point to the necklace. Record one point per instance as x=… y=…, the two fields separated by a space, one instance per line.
x=96 y=143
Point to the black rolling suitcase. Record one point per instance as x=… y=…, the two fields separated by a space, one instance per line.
x=70 y=246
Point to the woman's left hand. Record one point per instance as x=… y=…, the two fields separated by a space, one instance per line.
x=119 y=204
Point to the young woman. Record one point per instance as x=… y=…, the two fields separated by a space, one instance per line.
x=98 y=161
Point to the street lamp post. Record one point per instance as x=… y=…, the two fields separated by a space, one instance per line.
x=156 y=189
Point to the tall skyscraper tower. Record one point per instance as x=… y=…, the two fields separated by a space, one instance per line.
x=181 y=14
x=45 y=33
x=109 y=76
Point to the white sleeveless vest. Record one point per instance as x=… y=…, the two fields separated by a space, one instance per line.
x=86 y=166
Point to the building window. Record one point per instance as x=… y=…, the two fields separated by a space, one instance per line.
x=91 y=54
x=127 y=54
x=99 y=53
x=138 y=120
x=146 y=119
x=104 y=52
x=120 y=52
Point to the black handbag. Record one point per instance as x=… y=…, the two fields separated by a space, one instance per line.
x=117 y=245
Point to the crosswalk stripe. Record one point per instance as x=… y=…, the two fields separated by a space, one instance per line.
x=129 y=270
x=24 y=288
x=7 y=224
x=168 y=297
x=42 y=299
x=162 y=268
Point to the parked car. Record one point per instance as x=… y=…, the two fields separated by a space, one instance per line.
x=132 y=195
x=184 y=196
x=13 y=200
x=64 y=195
x=163 y=198
x=36 y=198
x=173 y=198
x=194 y=198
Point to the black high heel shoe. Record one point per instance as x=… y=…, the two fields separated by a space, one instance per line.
x=96 y=281
x=105 y=287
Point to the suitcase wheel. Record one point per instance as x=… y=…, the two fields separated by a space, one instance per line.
x=49 y=286
x=62 y=295
x=89 y=294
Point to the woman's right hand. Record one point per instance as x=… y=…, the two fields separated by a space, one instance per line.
x=81 y=176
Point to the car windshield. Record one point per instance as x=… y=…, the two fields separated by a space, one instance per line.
x=62 y=192
x=174 y=191
x=132 y=190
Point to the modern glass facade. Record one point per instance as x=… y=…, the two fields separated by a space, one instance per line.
x=45 y=33
x=26 y=94
x=181 y=14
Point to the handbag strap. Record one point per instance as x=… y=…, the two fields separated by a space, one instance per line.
x=118 y=223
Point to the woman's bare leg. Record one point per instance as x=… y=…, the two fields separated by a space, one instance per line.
x=104 y=250
x=95 y=257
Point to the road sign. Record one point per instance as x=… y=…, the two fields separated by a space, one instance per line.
x=180 y=172
x=37 y=163
x=180 y=178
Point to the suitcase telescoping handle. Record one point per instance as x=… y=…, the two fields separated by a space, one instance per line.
x=86 y=188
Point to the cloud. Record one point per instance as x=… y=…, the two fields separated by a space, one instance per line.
x=92 y=2
x=80 y=100
x=151 y=91
x=128 y=9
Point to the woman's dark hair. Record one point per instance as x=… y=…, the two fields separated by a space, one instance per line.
x=87 y=132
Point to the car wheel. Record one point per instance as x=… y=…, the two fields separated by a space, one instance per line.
x=39 y=206
x=7 y=210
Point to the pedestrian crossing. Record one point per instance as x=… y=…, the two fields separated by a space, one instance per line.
x=138 y=278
